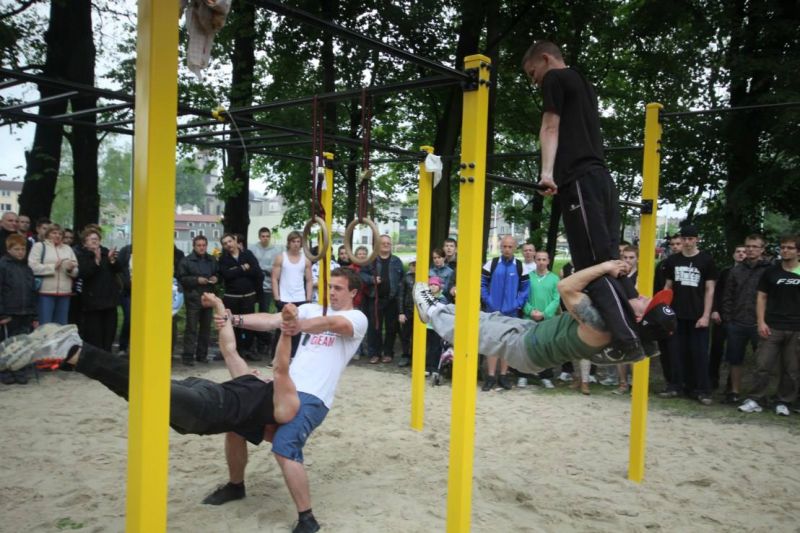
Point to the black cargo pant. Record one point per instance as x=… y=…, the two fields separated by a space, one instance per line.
x=198 y=328
x=590 y=209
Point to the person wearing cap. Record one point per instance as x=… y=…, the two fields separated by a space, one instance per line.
x=407 y=325
x=691 y=275
x=531 y=346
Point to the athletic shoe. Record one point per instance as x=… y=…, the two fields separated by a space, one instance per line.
x=547 y=384
x=608 y=382
x=704 y=400
x=48 y=340
x=781 y=410
x=404 y=362
x=750 y=406
x=503 y=382
x=565 y=377
x=619 y=391
x=425 y=301
x=522 y=383
x=225 y=493
x=308 y=524
x=489 y=383
x=668 y=394
x=592 y=379
x=618 y=354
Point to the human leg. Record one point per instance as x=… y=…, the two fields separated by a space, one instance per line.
x=767 y=356
x=285 y=399
x=698 y=346
x=125 y=331
x=678 y=347
x=191 y=327
x=789 y=376
x=203 y=335
x=737 y=337
x=390 y=323
x=46 y=308
x=716 y=350
x=61 y=310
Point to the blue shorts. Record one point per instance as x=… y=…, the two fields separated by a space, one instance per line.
x=291 y=437
x=736 y=340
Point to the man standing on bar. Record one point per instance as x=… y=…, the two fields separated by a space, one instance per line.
x=573 y=167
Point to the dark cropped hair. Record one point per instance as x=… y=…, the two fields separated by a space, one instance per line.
x=439 y=252
x=353 y=280
x=541 y=47
x=199 y=238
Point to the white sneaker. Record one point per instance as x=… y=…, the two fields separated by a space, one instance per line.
x=547 y=384
x=425 y=301
x=781 y=410
x=592 y=379
x=565 y=377
x=609 y=382
x=750 y=406
x=48 y=340
x=522 y=383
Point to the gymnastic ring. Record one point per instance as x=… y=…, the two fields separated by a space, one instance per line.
x=323 y=246
x=348 y=239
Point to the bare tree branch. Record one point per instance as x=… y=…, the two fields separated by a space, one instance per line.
x=22 y=7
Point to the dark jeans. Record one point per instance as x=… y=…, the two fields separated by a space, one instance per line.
x=407 y=334
x=99 y=327
x=382 y=317
x=243 y=305
x=590 y=210
x=125 y=330
x=197 y=406
x=716 y=351
x=197 y=332
x=433 y=350
x=689 y=348
x=666 y=360
x=264 y=338
x=738 y=339
x=295 y=338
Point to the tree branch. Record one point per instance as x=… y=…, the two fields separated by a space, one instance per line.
x=23 y=6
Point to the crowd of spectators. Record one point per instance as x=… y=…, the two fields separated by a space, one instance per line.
x=754 y=302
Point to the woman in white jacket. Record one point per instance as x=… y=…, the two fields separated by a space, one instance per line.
x=54 y=263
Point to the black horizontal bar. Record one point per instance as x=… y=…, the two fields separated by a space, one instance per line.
x=356 y=37
x=424 y=83
x=235 y=143
x=117 y=122
x=530 y=185
x=358 y=162
x=628 y=203
x=64 y=84
x=727 y=109
x=215 y=133
x=283 y=156
x=10 y=83
x=525 y=155
x=46 y=99
x=100 y=109
x=23 y=116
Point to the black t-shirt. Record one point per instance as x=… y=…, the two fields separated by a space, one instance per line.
x=580 y=146
x=689 y=276
x=249 y=406
x=783 y=298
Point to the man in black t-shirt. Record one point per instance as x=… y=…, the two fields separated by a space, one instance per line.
x=691 y=275
x=778 y=317
x=573 y=166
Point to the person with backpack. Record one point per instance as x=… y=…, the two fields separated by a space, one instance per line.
x=504 y=290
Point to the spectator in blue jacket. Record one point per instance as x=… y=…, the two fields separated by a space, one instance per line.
x=384 y=281
x=504 y=290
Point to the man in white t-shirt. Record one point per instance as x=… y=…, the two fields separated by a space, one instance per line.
x=528 y=258
x=327 y=345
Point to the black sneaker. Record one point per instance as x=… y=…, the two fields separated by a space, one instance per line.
x=307 y=525
x=503 y=382
x=489 y=383
x=225 y=493
x=651 y=348
x=619 y=354
x=404 y=362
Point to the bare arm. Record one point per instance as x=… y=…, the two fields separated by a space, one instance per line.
x=309 y=280
x=570 y=287
x=708 y=303
x=336 y=324
x=668 y=284
x=548 y=137
x=276 y=276
x=227 y=338
x=761 y=313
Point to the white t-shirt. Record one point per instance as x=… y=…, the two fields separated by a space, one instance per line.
x=322 y=357
x=527 y=268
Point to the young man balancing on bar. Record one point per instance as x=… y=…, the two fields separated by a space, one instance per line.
x=533 y=346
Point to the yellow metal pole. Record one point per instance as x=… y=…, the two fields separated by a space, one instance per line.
x=153 y=227
x=327 y=205
x=423 y=265
x=470 y=238
x=647 y=253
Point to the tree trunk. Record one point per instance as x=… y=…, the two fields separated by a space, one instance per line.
x=83 y=139
x=448 y=129
x=492 y=15
x=237 y=205
x=44 y=158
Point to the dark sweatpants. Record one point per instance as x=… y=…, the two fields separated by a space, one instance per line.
x=197 y=406
x=590 y=209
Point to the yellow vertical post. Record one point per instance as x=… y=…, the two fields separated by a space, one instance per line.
x=647 y=253
x=327 y=205
x=472 y=189
x=423 y=265
x=153 y=227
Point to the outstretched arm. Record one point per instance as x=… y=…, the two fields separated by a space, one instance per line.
x=592 y=328
x=227 y=338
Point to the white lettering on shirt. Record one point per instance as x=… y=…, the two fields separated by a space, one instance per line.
x=687 y=276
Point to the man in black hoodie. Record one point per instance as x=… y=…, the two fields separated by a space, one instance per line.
x=739 y=309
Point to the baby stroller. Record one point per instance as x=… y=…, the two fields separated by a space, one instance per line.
x=445 y=368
